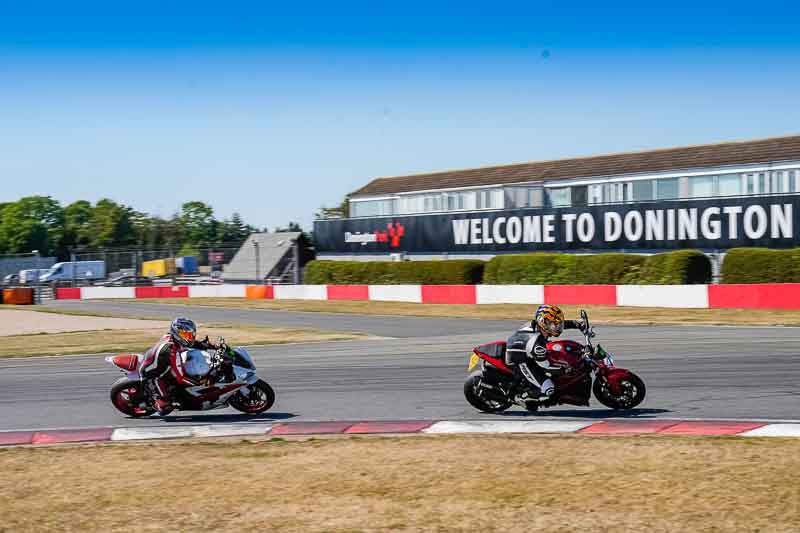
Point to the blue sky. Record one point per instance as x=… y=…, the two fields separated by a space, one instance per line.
x=274 y=109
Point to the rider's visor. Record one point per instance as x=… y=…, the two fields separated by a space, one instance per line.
x=186 y=335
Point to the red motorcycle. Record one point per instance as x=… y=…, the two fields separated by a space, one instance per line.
x=491 y=387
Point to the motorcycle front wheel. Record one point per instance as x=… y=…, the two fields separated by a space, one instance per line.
x=259 y=398
x=632 y=393
x=126 y=395
x=477 y=401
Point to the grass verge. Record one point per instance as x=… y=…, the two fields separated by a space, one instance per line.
x=410 y=484
x=138 y=340
x=600 y=314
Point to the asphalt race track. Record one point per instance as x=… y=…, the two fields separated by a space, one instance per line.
x=690 y=372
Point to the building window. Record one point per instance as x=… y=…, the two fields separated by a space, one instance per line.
x=559 y=197
x=751 y=183
x=667 y=189
x=642 y=190
x=762 y=183
x=729 y=185
x=579 y=196
x=595 y=194
x=792 y=186
x=701 y=187
x=372 y=208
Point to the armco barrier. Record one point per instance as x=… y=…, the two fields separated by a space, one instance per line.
x=580 y=294
x=259 y=292
x=509 y=294
x=448 y=294
x=348 y=292
x=92 y=293
x=760 y=296
x=396 y=293
x=217 y=291
x=162 y=292
x=68 y=293
x=764 y=296
x=301 y=292
x=685 y=296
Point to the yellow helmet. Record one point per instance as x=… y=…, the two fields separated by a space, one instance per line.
x=550 y=320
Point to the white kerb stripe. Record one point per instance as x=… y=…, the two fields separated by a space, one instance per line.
x=151 y=433
x=301 y=292
x=774 y=430
x=514 y=426
x=213 y=430
x=230 y=430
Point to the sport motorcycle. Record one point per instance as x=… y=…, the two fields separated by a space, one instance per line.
x=583 y=369
x=203 y=380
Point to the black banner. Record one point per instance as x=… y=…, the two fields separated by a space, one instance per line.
x=767 y=221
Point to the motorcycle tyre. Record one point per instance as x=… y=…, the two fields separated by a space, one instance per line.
x=265 y=387
x=120 y=385
x=476 y=401
x=612 y=402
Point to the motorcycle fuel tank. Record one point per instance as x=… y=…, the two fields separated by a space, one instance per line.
x=565 y=351
x=196 y=363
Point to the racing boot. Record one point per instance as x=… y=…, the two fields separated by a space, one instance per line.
x=536 y=391
x=160 y=392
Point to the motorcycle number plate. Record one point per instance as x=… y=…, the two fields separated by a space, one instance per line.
x=473 y=362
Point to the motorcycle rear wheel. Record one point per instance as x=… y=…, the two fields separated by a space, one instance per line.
x=633 y=389
x=478 y=402
x=260 y=398
x=123 y=392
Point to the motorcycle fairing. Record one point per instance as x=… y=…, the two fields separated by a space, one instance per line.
x=494 y=354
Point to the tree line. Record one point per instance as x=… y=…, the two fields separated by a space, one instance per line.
x=40 y=223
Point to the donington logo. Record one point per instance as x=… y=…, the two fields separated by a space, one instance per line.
x=392 y=235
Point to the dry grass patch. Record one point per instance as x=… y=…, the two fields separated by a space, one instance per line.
x=600 y=314
x=138 y=340
x=463 y=483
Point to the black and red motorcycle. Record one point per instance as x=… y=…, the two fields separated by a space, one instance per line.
x=490 y=386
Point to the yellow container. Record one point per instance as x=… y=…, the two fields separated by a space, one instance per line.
x=158 y=268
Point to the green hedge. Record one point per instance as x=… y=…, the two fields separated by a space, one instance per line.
x=560 y=269
x=761 y=265
x=683 y=267
x=671 y=268
x=451 y=272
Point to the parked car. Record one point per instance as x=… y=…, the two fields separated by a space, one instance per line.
x=11 y=279
x=30 y=275
x=126 y=280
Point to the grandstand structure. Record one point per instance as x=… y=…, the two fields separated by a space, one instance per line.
x=273 y=258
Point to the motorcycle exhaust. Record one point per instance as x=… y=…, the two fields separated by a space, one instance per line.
x=492 y=393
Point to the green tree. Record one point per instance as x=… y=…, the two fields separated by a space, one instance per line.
x=77 y=224
x=111 y=225
x=198 y=224
x=32 y=223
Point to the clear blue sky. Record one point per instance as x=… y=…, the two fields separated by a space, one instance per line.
x=273 y=109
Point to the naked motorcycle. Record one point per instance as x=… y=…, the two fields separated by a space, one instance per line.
x=585 y=369
x=206 y=379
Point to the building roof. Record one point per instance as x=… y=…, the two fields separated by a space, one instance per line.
x=681 y=158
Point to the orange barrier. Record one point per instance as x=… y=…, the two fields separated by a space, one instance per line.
x=18 y=296
x=259 y=292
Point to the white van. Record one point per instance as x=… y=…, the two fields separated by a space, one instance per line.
x=86 y=270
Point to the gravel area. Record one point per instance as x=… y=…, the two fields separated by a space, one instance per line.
x=19 y=322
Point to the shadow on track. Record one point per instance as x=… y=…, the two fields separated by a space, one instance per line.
x=224 y=419
x=593 y=413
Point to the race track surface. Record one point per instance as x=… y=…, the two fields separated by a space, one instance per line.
x=691 y=372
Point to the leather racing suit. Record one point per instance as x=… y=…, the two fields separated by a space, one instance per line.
x=157 y=364
x=526 y=354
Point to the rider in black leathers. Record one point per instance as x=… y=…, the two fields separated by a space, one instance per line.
x=526 y=351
